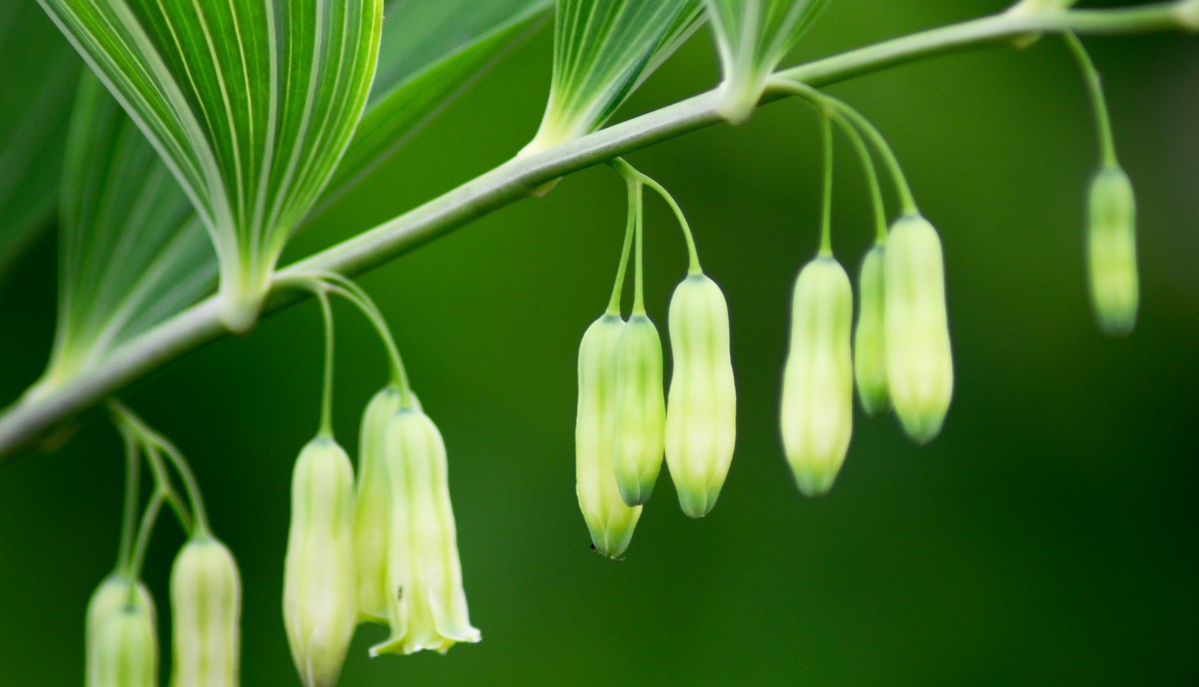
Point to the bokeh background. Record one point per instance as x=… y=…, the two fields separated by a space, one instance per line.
x=1047 y=537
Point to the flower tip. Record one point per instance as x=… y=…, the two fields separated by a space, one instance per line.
x=636 y=494
x=696 y=505
x=815 y=483
x=922 y=428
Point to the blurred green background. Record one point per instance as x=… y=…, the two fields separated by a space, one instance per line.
x=1047 y=537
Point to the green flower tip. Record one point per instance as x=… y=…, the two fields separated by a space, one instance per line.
x=816 y=415
x=918 y=354
x=701 y=410
x=1112 y=251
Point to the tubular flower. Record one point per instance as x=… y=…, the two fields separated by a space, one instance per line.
x=610 y=521
x=869 y=338
x=371 y=505
x=320 y=596
x=640 y=410
x=121 y=640
x=817 y=408
x=205 y=615
x=1112 y=251
x=919 y=360
x=427 y=606
x=701 y=412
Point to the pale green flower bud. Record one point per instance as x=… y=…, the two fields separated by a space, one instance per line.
x=121 y=640
x=371 y=539
x=205 y=615
x=701 y=411
x=427 y=605
x=869 y=337
x=320 y=591
x=126 y=648
x=817 y=408
x=640 y=410
x=919 y=360
x=1112 y=251
x=610 y=521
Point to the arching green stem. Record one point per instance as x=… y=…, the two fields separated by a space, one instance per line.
x=145 y=528
x=326 y=427
x=346 y=288
x=628 y=170
x=1103 y=123
x=155 y=445
x=129 y=511
x=876 y=189
x=826 y=204
x=163 y=484
x=634 y=192
x=903 y=189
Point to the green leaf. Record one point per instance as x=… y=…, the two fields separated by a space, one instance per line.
x=753 y=36
x=604 y=50
x=42 y=70
x=132 y=251
x=432 y=50
x=252 y=103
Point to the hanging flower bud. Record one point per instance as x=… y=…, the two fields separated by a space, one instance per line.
x=427 y=605
x=1112 y=251
x=610 y=521
x=205 y=615
x=701 y=412
x=640 y=410
x=870 y=342
x=919 y=361
x=120 y=638
x=817 y=408
x=126 y=647
x=320 y=599
x=371 y=505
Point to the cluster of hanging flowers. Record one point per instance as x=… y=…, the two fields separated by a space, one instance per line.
x=625 y=423
x=897 y=355
x=121 y=636
x=383 y=549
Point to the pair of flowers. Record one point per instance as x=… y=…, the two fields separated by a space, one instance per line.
x=121 y=627
x=383 y=551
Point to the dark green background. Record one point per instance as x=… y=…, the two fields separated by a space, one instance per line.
x=1047 y=537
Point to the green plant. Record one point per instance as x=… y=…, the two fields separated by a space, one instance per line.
x=117 y=325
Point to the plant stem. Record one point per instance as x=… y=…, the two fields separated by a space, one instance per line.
x=24 y=422
x=1103 y=122
x=129 y=514
x=326 y=426
x=826 y=205
x=633 y=187
x=360 y=299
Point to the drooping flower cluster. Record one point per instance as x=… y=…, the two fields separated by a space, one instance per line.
x=382 y=550
x=205 y=591
x=625 y=424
